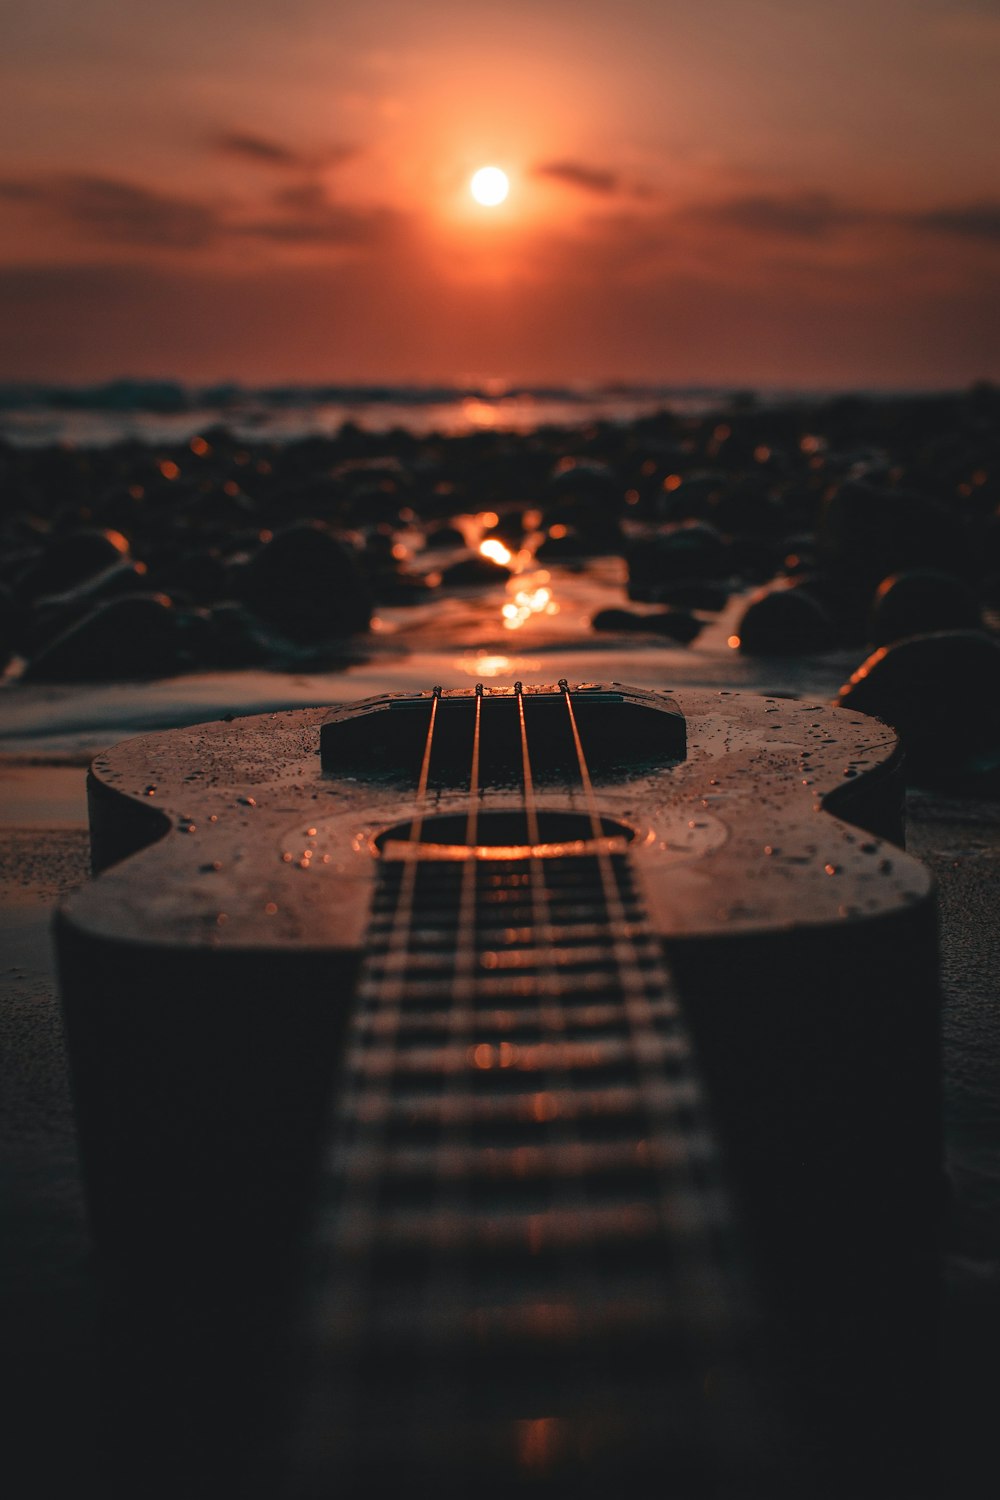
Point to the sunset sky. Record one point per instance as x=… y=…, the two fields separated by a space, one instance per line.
x=773 y=191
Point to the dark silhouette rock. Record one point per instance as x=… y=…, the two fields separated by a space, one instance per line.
x=563 y=542
x=54 y=613
x=941 y=692
x=8 y=625
x=70 y=558
x=307 y=584
x=238 y=638
x=674 y=624
x=586 y=496
x=440 y=538
x=921 y=601
x=867 y=532
x=474 y=570
x=783 y=621
x=685 y=593
x=688 y=550
x=133 y=637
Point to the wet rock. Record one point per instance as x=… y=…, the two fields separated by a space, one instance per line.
x=921 y=601
x=585 y=496
x=941 y=692
x=868 y=532
x=70 y=558
x=8 y=625
x=133 y=637
x=685 y=593
x=307 y=584
x=55 y=613
x=674 y=624
x=784 y=621
x=510 y=528
x=562 y=543
x=237 y=638
x=474 y=570
x=688 y=550
x=748 y=509
x=693 y=499
x=440 y=538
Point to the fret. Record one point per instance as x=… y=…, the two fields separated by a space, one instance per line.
x=521 y=1192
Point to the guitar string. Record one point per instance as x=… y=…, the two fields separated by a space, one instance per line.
x=360 y=1185
x=646 y=1043
x=360 y=1188
x=443 y=1286
x=567 y=1148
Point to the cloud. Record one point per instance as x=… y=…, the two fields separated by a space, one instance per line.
x=318 y=222
x=802 y=215
x=579 y=175
x=125 y=213
x=268 y=152
x=971 y=221
x=121 y=212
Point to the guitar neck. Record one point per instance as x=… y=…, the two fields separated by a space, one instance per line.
x=523 y=1267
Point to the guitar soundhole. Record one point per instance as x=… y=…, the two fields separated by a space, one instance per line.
x=508 y=829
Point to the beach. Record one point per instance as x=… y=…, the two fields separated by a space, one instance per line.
x=382 y=500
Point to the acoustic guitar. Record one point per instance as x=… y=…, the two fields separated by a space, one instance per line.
x=511 y=1088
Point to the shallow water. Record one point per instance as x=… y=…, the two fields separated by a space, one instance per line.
x=454 y=642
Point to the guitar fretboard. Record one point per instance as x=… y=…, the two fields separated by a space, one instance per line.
x=524 y=1271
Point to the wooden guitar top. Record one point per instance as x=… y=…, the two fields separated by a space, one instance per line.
x=521 y=998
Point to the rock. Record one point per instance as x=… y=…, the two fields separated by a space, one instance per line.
x=563 y=542
x=919 y=602
x=307 y=584
x=474 y=570
x=781 y=621
x=8 y=625
x=867 y=532
x=688 y=550
x=941 y=692
x=440 y=538
x=402 y=587
x=54 y=613
x=748 y=509
x=238 y=639
x=585 y=496
x=694 y=499
x=70 y=558
x=675 y=624
x=133 y=637
x=685 y=593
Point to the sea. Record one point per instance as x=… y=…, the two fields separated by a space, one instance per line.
x=167 y=411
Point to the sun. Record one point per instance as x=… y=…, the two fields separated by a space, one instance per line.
x=489 y=186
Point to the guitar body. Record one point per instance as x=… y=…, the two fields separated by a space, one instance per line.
x=485 y=997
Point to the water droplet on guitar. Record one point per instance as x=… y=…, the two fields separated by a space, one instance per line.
x=270 y=909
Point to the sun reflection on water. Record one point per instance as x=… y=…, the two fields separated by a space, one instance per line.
x=530 y=595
